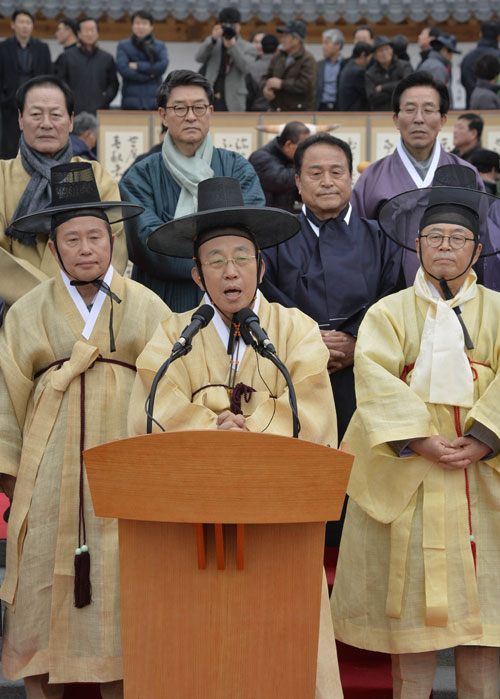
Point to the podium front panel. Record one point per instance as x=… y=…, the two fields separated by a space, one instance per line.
x=220 y=634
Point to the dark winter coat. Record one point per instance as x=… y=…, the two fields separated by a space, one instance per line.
x=276 y=173
x=376 y=75
x=485 y=95
x=139 y=86
x=91 y=76
x=299 y=81
x=351 y=96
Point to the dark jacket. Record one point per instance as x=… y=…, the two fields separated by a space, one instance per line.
x=467 y=154
x=256 y=102
x=91 y=76
x=320 y=80
x=58 y=59
x=276 y=173
x=423 y=57
x=9 y=77
x=81 y=149
x=139 y=86
x=299 y=81
x=485 y=95
x=352 y=90
x=376 y=75
x=467 y=76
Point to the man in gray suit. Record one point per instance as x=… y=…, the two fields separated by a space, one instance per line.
x=227 y=59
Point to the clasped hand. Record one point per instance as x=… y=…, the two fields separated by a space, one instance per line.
x=459 y=454
x=341 y=347
x=230 y=421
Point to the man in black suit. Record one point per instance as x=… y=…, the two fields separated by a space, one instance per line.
x=21 y=58
x=352 y=93
x=88 y=70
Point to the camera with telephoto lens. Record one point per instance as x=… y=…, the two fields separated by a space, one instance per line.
x=228 y=31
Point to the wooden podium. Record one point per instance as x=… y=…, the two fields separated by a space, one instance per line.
x=227 y=609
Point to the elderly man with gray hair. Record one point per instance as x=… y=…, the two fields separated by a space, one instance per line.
x=84 y=135
x=329 y=70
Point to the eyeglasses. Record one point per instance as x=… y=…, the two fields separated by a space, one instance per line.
x=221 y=262
x=412 y=110
x=457 y=241
x=181 y=110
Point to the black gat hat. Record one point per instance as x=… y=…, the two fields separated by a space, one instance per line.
x=221 y=205
x=74 y=193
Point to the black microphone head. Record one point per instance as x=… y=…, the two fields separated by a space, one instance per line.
x=245 y=316
x=204 y=314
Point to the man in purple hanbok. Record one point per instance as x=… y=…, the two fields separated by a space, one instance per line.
x=420 y=105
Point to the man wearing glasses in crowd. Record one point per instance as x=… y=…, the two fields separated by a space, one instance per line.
x=166 y=183
x=420 y=105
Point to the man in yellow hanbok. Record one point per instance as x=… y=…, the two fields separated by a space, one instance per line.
x=222 y=383
x=419 y=564
x=67 y=358
x=45 y=105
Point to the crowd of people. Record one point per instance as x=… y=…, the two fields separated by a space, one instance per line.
x=268 y=72
x=381 y=299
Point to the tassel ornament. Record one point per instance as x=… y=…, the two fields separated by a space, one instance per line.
x=83 y=588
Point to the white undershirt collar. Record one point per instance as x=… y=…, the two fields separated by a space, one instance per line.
x=223 y=330
x=419 y=182
x=90 y=317
x=315 y=228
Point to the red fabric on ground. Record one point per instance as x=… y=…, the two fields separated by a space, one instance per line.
x=364 y=674
x=4 y=503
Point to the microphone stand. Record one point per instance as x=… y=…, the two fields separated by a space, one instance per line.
x=292 y=398
x=150 y=400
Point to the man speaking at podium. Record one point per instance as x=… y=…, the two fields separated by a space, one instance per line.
x=222 y=383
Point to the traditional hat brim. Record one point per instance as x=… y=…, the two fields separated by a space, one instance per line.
x=269 y=226
x=41 y=221
x=399 y=217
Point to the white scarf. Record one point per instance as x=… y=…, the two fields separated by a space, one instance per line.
x=442 y=373
x=188 y=172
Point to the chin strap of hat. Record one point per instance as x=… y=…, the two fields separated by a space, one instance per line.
x=448 y=296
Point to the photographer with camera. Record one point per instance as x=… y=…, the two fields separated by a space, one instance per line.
x=227 y=59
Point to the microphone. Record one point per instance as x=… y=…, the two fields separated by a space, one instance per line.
x=249 y=319
x=200 y=318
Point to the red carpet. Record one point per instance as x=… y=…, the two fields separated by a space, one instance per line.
x=364 y=674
